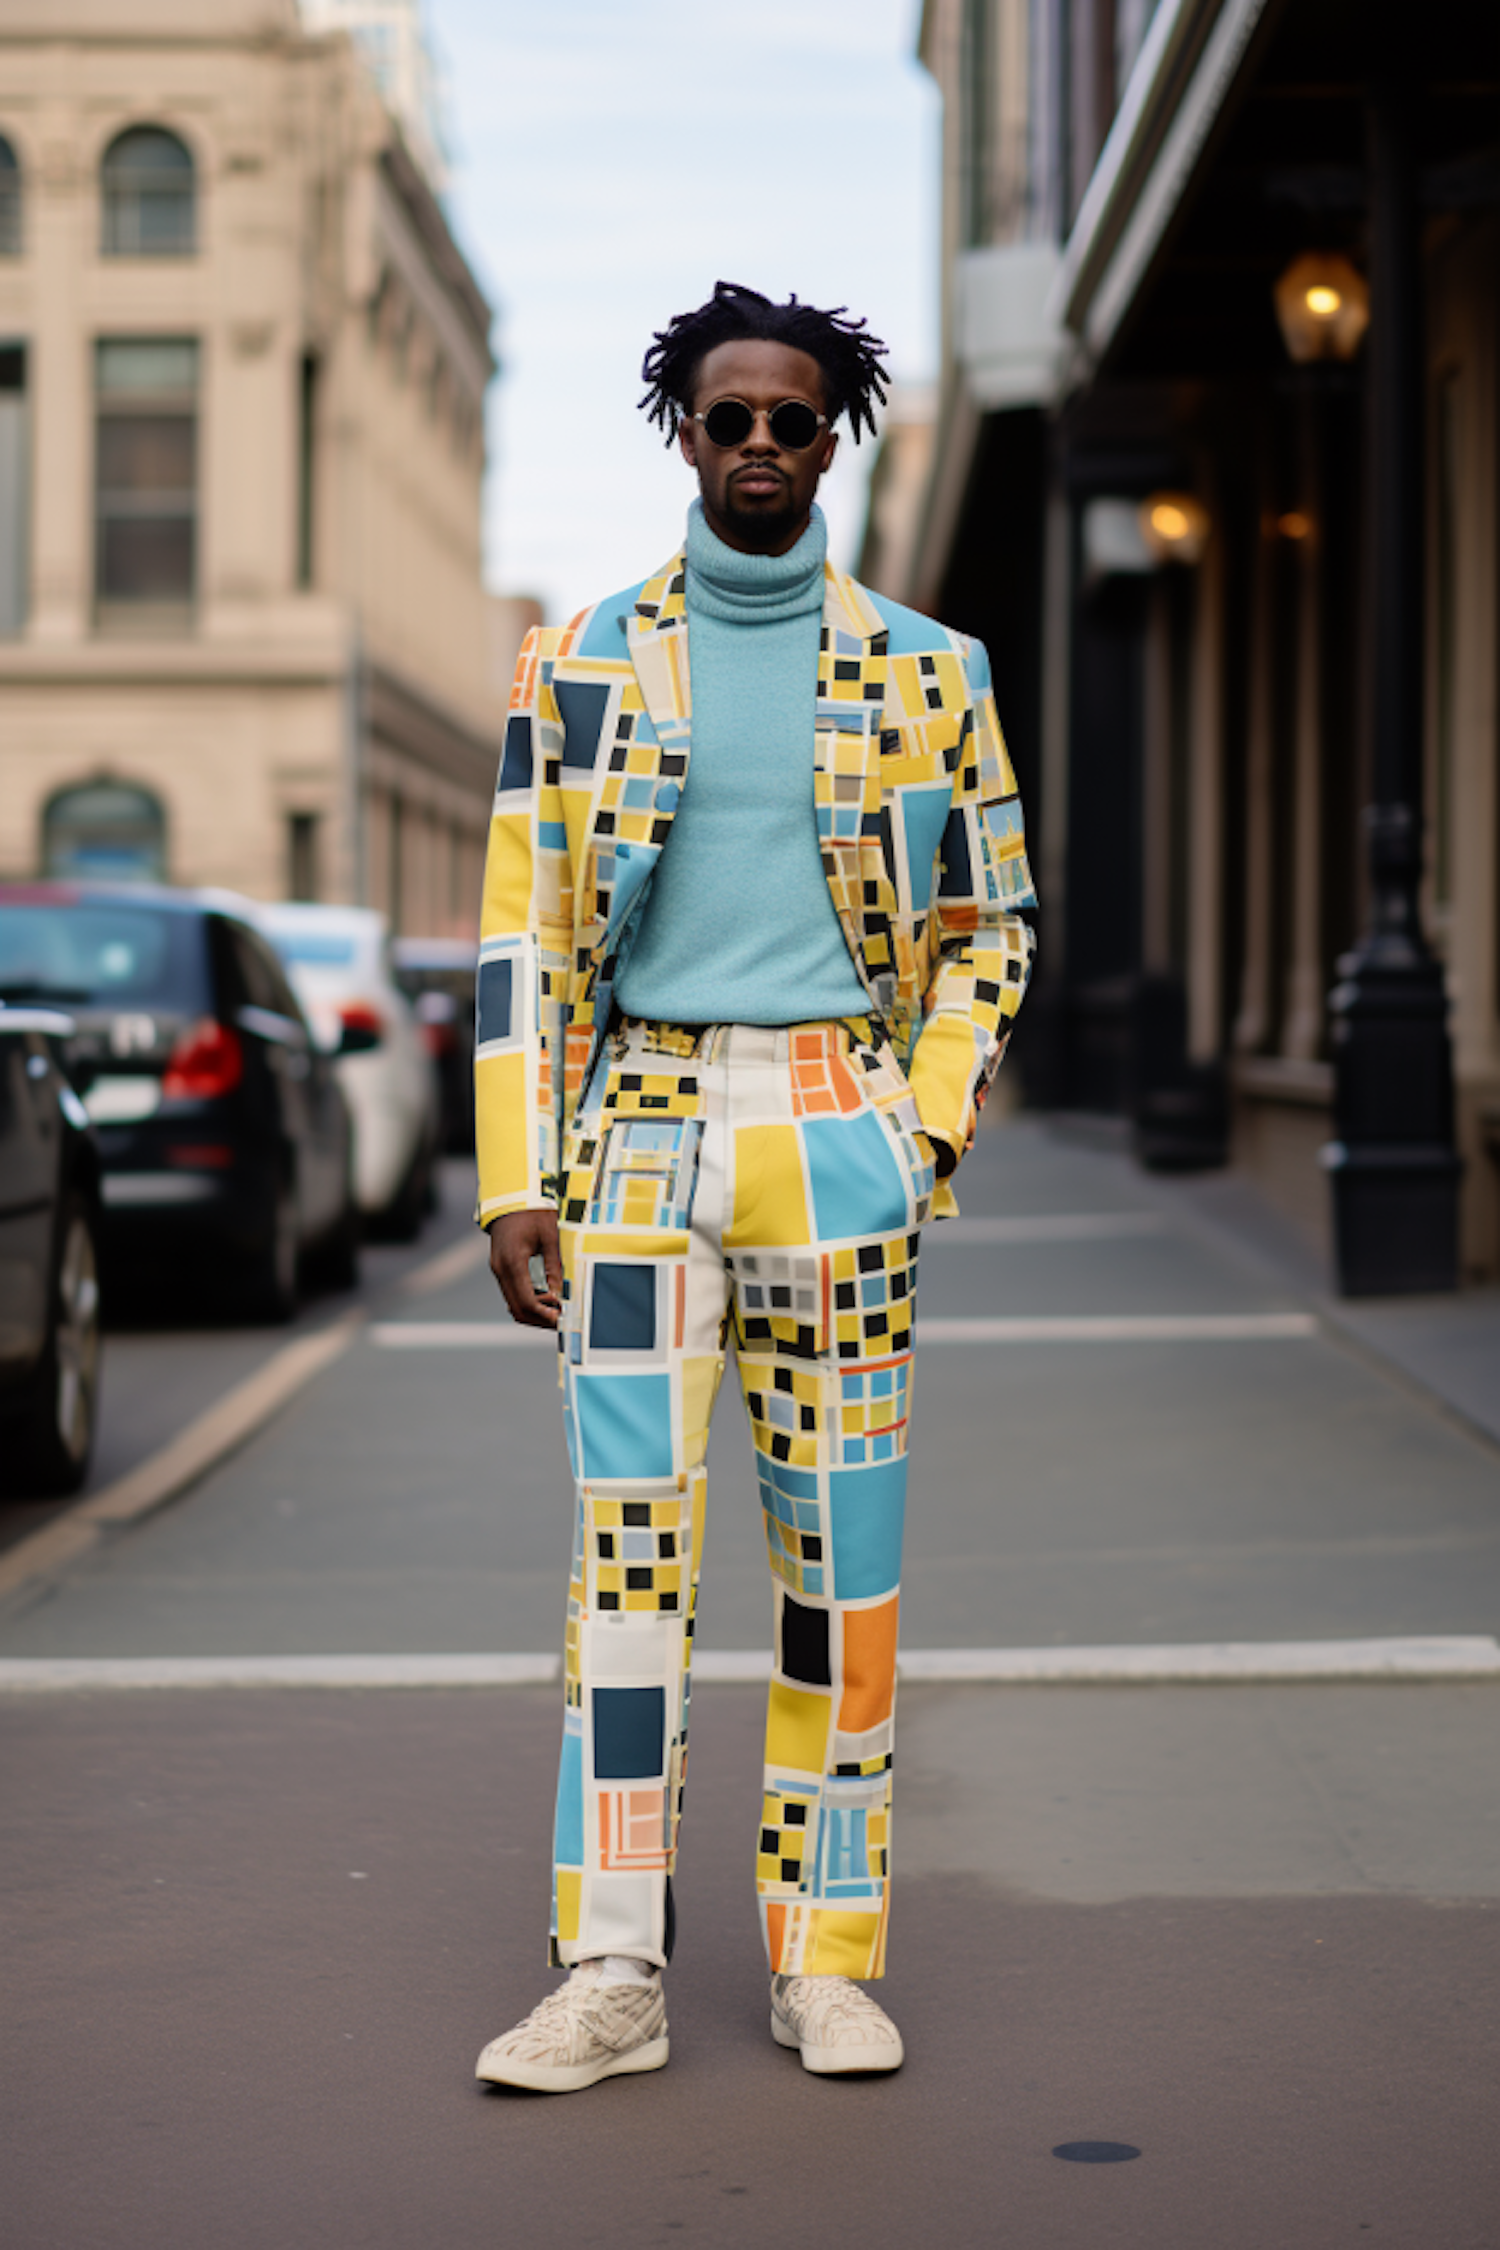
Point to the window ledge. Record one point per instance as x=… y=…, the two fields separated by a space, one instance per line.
x=145 y=621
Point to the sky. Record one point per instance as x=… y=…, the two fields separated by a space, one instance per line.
x=611 y=161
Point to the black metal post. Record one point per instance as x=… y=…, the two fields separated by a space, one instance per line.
x=1392 y=1163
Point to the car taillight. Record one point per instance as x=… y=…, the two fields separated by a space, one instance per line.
x=361 y=1027
x=439 y=1039
x=207 y=1061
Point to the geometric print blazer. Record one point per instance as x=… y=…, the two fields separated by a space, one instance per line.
x=919 y=828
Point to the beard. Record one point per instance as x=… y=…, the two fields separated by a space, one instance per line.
x=761 y=528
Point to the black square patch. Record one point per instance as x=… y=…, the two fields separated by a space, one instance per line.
x=804 y=1642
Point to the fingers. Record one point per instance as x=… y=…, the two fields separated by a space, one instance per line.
x=551 y=1257
x=514 y=1241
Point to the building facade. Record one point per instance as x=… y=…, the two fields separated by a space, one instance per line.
x=1214 y=473
x=243 y=634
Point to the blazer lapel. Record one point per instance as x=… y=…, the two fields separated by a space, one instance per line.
x=846 y=782
x=657 y=638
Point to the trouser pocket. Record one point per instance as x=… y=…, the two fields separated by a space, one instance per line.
x=887 y=1092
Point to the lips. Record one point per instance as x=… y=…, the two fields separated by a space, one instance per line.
x=758 y=480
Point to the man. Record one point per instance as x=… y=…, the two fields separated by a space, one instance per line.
x=749 y=956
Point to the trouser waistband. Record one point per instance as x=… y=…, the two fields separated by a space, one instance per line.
x=705 y=1039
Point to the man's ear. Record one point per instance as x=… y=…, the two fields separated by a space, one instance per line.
x=687 y=438
x=830 y=447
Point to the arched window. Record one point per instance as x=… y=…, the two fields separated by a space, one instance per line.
x=149 y=196
x=105 y=831
x=10 y=201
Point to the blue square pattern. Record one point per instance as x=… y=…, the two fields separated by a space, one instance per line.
x=568 y=1831
x=622 y=1312
x=842 y=1866
x=492 y=1006
x=624 y=1425
x=581 y=706
x=924 y=813
x=790 y=1495
x=866 y=1512
x=515 y=765
x=630 y=1733
x=858 y=1183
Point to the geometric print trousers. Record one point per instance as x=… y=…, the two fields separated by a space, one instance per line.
x=766 y=1186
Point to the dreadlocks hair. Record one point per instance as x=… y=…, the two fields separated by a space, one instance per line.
x=848 y=355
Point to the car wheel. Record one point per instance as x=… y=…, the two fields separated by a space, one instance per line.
x=61 y=1411
x=338 y=1253
x=271 y=1277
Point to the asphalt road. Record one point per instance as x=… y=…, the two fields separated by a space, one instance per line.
x=255 y=1940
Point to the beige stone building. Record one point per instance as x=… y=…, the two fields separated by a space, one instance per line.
x=243 y=635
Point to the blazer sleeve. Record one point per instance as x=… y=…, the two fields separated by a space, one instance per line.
x=981 y=948
x=525 y=948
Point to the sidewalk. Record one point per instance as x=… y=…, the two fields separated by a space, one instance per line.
x=1449 y=1345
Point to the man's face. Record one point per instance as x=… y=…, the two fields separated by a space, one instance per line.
x=757 y=495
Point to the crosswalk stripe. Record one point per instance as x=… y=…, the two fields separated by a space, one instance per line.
x=1069 y=1328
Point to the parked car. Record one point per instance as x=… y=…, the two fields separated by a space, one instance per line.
x=222 y=1128
x=339 y=960
x=438 y=977
x=49 y=1260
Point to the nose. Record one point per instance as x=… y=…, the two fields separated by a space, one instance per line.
x=760 y=439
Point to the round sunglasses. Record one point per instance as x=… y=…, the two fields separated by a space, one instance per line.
x=793 y=424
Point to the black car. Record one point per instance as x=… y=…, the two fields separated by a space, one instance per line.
x=49 y=1264
x=438 y=976
x=224 y=1138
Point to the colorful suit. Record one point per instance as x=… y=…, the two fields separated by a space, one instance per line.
x=769 y=1183
x=918 y=821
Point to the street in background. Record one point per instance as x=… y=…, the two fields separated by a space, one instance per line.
x=339 y=961
x=49 y=1263
x=223 y=1134
x=438 y=975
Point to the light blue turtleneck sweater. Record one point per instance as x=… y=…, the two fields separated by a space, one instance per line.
x=739 y=926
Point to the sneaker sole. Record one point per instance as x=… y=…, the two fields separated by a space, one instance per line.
x=834 y=2062
x=571 y=2078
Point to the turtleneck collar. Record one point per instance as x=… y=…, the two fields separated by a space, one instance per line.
x=746 y=589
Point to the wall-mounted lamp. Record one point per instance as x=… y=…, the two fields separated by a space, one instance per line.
x=1322 y=306
x=1174 y=526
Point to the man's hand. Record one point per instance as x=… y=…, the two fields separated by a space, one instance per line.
x=514 y=1241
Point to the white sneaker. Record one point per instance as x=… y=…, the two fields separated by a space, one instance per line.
x=582 y=2032
x=837 y=2027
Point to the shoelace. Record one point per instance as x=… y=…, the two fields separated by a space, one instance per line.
x=833 y=2001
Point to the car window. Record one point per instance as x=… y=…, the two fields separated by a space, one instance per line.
x=309 y=949
x=99 y=953
x=252 y=973
x=263 y=964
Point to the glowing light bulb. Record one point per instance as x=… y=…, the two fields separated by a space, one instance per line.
x=1169 y=521
x=1323 y=302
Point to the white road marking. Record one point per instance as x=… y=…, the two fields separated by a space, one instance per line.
x=1418 y=1657
x=1121 y=1328
x=228 y=1423
x=1085 y=1328
x=1062 y=1226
